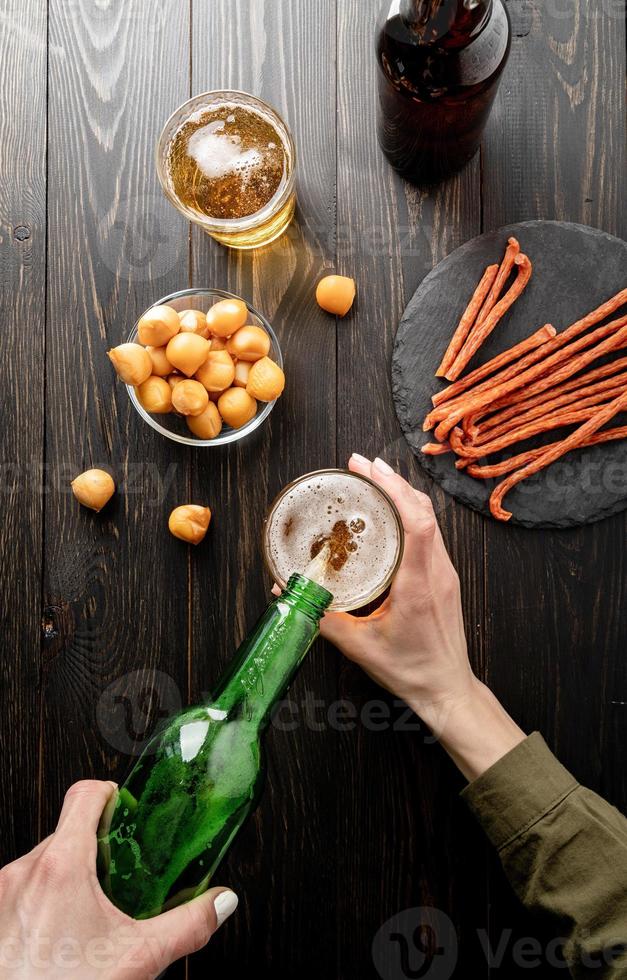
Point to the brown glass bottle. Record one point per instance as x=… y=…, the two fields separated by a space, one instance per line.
x=440 y=63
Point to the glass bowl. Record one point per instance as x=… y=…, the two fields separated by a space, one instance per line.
x=173 y=426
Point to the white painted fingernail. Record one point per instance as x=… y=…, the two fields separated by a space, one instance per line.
x=360 y=459
x=382 y=467
x=225 y=904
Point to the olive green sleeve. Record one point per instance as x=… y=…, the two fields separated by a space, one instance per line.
x=564 y=849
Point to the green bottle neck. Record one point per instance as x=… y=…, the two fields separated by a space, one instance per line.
x=267 y=660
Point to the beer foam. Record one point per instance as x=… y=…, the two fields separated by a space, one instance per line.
x=217 y=154
x=307 y=512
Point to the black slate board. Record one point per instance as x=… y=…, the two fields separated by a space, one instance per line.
x=576 y=268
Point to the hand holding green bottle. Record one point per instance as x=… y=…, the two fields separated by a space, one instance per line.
x=57 y=924
x=162 y=838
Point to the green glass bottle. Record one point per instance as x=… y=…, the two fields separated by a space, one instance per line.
x=171 y=822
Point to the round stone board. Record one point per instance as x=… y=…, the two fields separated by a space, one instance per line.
x=576 y=268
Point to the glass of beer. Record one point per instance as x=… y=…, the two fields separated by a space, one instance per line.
x=339 y=529
x=226 y=160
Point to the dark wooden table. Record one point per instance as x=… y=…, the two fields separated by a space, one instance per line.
x=356 y=824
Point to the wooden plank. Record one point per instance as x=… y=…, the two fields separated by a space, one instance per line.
x=400 y=821
x=283 y=865
x=23 y=299
x=116 y=587
x=555 y=612
x=116 y=582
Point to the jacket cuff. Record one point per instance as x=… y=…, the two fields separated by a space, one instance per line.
x=518 y=790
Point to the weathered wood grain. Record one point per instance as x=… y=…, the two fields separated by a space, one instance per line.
x=283 y=865
x=22 y=343
x=555 y=601
x=357 y=823
x=117 y=581
x=399 y=808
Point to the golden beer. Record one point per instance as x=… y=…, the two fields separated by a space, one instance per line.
x=226 y=161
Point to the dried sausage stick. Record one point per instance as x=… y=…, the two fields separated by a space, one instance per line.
x=504 y=270
x=436 y=448
x=617 y=338
x=596 y=316
x=573 y=441
x=514 y=462
x=554 y=421
x=482 y=330
x=535 y=354
x=539 y=372
x=501 y=360
x=468 y=318
x=552 y=379
x=521 y=401
x=590 y=395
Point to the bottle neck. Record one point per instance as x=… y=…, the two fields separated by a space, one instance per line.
x=269 y=657
x=451 y=23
